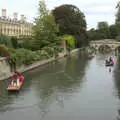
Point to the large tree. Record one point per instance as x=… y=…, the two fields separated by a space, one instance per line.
x=45 y=28
x=71 y=21
x=93 y=34
x=118 y=18
x=113 y=31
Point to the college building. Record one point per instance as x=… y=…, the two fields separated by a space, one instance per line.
x=14 y=27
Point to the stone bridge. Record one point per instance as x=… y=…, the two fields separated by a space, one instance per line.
x=110 y=43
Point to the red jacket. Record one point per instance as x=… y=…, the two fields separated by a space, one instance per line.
x=21 y=78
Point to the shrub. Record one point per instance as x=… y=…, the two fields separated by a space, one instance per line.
x=14 y=42
x=48 y=51
x=6 y=41
x=118 y=38
x=70 y=40
x=26 y=57
x=4 y=51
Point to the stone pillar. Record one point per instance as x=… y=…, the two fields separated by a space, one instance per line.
x=4 y=67
x=63 y=44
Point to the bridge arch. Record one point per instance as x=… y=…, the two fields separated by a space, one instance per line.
x=104 y=48
x=111 y=44
x=117 y=49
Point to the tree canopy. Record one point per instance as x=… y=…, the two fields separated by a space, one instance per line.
x=45 y=28
x=117 y=21
x=71 y=21
x=103 y=31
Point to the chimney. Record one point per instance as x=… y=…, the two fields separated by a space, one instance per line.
x=15 y=16
x=4 y=12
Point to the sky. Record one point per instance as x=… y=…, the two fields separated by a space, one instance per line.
x=94 y=10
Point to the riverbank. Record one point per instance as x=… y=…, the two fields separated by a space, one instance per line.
x=23 y=69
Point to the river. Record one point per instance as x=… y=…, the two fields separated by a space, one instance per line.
x=73 y=88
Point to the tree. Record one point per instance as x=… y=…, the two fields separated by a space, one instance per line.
x=70 y=40
x=118 y=18
x=102 y=25
x=14 y=42
x=45 y=28
x=113 y=31
x=103 y=30
x=71 y=21
x=118 y=13
x=92 y=34
x=6 y=41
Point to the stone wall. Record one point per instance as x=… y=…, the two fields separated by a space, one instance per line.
x=5 y=71
x=4 y=68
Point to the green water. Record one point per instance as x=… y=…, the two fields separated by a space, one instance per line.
x=70 y=89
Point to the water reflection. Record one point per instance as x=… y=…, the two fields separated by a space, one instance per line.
x=117 y=77
x=7 y=99
x=72 y=87
x=117 y=83
x=57 y=84
x=47 y=85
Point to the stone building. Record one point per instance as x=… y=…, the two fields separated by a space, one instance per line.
x=14 y=27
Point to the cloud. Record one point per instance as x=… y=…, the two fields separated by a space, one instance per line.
x=94 y=10
x=92 y=20
x=106 y=10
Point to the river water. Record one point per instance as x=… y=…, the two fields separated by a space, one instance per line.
x=73 y=88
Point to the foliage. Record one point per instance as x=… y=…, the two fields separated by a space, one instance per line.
x=118 y=18
x=103 y=29
x=14 y=42
x=102 y=25
x=92 y=34
x=113 y=31
x=3 y=51
x=118 y=38
x=28 y=44
x=71 y=21
x=70 y=40
x=47 y=51
x=45 y=28
x=103 y=32
x=6 y=41
x=118 y=14
x=24 y=37
x=26 y=57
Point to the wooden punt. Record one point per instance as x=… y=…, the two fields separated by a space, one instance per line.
x=14 y=87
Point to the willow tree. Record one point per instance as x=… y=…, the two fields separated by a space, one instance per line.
x=45 y=28
x=71 y=21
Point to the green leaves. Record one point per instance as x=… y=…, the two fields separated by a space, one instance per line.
x=6 y=41
x=104 y=31
x=118 y=19
x=25 y=57
x=71 y=21
x=70 y=40
x=45 y=29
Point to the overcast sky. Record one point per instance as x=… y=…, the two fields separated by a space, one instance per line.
x=94 y=10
